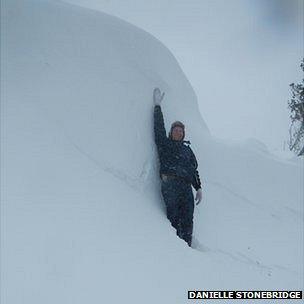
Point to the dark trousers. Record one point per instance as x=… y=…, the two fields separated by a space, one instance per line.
x=179 y=202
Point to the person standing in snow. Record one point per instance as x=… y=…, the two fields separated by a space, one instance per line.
x=178 y=171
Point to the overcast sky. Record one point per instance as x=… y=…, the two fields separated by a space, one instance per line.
x=239 y=55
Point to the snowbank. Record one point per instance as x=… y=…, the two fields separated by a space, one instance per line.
x=81 y=213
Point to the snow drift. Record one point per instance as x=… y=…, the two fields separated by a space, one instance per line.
x=81 y=213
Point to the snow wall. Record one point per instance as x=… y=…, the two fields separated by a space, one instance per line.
x=81 y=211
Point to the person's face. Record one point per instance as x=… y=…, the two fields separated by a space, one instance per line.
x=177 y=133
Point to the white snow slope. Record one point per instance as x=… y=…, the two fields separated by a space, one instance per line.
x=82 y=218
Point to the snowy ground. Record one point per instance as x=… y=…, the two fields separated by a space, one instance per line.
x=82 y=219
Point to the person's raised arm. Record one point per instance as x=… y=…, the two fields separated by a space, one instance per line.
x=159 y=126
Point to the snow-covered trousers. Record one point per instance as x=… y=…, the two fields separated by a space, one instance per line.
x=179 y=200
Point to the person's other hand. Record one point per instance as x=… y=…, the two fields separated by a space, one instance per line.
x=157 y=96
x=199 y=196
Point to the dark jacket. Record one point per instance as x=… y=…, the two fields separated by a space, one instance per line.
x=175 y=157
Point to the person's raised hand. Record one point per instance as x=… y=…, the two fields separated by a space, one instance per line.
x=157 y=96
x=199 y=196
